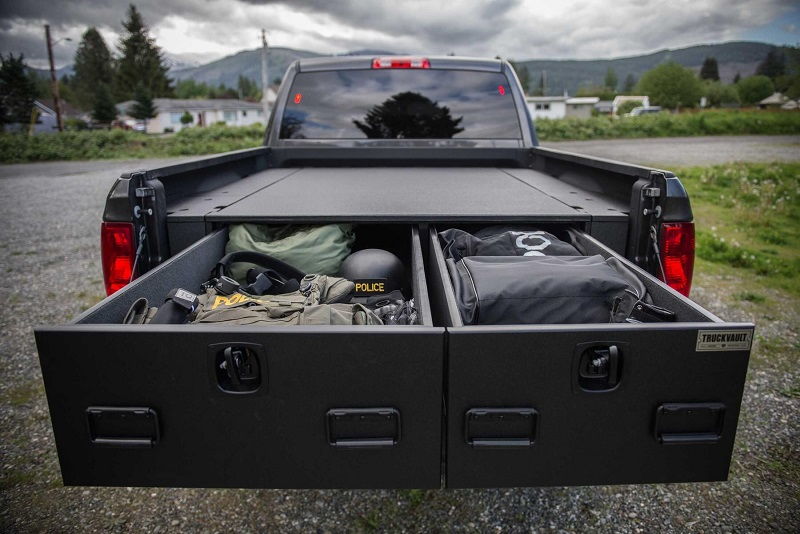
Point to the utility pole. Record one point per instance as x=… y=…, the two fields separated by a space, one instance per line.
x=53 y=79
x=264 y=74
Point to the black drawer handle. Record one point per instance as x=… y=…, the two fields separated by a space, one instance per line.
x=121 y=426
x=500 y=427
x=363 y=427
x=689 y=423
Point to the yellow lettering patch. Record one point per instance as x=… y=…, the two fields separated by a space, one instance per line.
x=370 y=287
x=236 y=298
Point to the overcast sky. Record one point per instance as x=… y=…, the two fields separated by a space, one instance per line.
x=204 y=30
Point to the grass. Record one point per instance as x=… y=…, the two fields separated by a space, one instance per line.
x=712 y=122
x=85 y=145
x=748 y=218
x=102 y=144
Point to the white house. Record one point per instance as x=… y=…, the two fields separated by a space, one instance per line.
x=620 y=99
x=204 y=113
x=558 y=107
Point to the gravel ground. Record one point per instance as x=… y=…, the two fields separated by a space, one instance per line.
x=50 y=215
x=687 y=151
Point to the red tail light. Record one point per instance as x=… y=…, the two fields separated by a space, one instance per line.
x=677 y=254
x=401 y=63
x=117 y=250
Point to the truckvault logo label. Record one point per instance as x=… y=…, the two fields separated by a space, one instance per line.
x=708 y=340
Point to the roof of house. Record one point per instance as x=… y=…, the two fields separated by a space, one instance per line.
x=774 y=99
x=174 y=105
x=583 y=100
x=546 y=98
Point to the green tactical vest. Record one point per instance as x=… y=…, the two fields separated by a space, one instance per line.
x=318 y=302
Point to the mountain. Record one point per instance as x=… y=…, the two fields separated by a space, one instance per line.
x=245 y=63
x=560 y=75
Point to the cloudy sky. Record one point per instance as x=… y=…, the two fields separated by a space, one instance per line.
x=204 y=30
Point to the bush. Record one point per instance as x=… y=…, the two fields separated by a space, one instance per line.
x=107 y=144
x=713 y=122
x=627 y=107
x=753 y=89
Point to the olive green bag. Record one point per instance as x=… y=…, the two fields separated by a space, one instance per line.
x=311 y=249
x=319 y=301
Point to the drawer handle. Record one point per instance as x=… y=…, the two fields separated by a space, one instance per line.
x=500 y=427
x=120 y=426
x=363 y=427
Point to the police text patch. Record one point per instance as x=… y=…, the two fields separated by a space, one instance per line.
x=709 y=340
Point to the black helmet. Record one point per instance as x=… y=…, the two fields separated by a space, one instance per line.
x=374 y=271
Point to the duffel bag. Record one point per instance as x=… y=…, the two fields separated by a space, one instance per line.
x=503 y=241
x=492 y=290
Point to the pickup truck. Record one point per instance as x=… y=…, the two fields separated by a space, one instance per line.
x=403 y=148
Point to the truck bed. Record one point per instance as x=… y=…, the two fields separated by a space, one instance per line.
x=391 y=194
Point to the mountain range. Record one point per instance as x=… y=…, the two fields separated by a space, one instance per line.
x=735 y=57
x=561 y=75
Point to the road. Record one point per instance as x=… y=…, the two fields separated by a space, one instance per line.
x=49 y=258
x=689 y=151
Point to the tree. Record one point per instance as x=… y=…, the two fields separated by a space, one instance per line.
x=710 y=70
x=737 y=78
x=186 y=118
x=611 y=79
x=773 y=65
x=247 y=88
x=753 y=89
x=523 y=75
x=103 y=108
x=627 y=106
x=191 y=89
x=670 y=85
x=93 y=69
x=629 y=85
x=409 y=115
x=603 y=93
x=141 y=61
x=17 y=91
x=718 y=94
x=143 y=107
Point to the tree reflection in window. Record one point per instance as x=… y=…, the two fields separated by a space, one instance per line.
x=409 y=115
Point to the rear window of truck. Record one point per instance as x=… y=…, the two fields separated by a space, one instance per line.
x=400 y=104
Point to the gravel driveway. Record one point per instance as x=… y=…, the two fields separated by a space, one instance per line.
x=688 y=151
x=50 y=214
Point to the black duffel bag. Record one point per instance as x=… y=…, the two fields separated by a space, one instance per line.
x=491 y=290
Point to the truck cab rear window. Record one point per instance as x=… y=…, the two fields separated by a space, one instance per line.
x=400 y=104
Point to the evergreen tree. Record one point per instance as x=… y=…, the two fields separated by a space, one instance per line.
x=247 y=88
x=630 y=83
x=523 y=75
x=143 y=107
x=93 y=69
x=611 y=80
x=17 y=91
x=186 y=118
x=774 y=65
x=710 y=70
x=737 y=78
x=141 y=61
x=103 y=109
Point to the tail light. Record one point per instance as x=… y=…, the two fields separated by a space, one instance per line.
x=677 y=255
x=117 y=250
x=401 y=63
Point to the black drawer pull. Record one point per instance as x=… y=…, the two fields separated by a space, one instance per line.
x=500 y=427
x=113 y=426
x=687 y=423
x=363 y=427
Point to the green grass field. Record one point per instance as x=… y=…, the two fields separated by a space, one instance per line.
x=748 y=219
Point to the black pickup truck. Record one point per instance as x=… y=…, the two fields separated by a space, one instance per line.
x=436 y=404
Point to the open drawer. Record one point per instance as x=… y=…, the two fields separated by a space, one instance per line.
x=337 y=406
x=520 y=412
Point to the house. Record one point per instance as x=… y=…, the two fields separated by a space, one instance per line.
x=45 y=117
x=581 y=106
x=621 y=99
x=558 y=107
x=204 y=112
x=605 y=107
x=774 y=101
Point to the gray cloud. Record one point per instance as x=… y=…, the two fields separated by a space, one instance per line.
x=511 y=28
